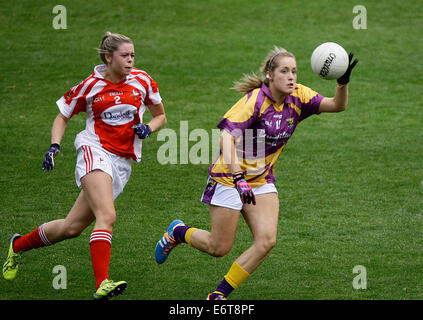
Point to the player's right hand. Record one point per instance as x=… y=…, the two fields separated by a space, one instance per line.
x=48 y=162
x=345 y=78
x=244 y=189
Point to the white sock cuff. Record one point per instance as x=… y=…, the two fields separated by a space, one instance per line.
x=43 y=236
x=101 y=235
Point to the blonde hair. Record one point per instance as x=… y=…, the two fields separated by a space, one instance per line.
x=110 y=43
x=252 y=81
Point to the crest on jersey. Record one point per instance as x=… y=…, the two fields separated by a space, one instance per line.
x=136 y=95
x=290 y=122
x=68 y=95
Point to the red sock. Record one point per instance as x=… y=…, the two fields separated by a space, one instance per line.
x=100 y=245
x=33 y=240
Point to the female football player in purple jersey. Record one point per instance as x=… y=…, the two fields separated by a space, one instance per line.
x=241 y=179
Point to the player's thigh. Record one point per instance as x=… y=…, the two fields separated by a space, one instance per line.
x=98 y=190
x=262 y=218
x=224 y=223
x=79 y=217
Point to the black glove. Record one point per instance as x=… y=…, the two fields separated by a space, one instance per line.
x=345 y=78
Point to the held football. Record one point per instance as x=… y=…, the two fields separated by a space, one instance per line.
x=329 y=61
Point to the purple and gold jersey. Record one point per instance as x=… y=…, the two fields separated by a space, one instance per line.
x=261 y=130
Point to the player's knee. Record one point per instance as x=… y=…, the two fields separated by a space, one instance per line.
x=110 y=219
x=220 y=249
x=271 y=244
x=106 y=217
x=72 y=231
x=266 y=244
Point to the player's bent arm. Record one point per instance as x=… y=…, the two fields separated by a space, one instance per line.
x=58 y=128
x=227 y=144
x=337 y=103
x=159 y=117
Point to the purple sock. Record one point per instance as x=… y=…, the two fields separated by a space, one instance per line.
x=224 y=287
x=179 y=233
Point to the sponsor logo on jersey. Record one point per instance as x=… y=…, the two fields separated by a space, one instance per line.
x=99 y=99
x=116 y=93
x=119 y=114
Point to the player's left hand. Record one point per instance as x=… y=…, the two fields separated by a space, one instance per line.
x=142 y=130
x=48 y=163
x=345 y=78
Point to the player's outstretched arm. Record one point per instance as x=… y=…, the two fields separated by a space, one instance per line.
x=57 y=131
x=340 y=101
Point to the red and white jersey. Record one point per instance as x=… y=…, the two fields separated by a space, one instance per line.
x=112 y=109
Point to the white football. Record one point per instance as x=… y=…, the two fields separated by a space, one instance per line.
x=329 y=61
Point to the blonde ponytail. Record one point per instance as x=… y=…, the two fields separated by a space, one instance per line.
x=248 y=82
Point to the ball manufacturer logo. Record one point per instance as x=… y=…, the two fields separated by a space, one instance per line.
x=326 y=65
x=119 y=114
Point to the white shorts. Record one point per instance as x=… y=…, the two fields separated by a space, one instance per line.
x=220 y=195
x=90 y=158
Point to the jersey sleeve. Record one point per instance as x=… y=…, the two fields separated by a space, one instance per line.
x=153 y=95
x=241 y=115
x=74 y=100
x=310 y=102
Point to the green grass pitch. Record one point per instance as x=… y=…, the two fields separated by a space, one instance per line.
x=350 y=184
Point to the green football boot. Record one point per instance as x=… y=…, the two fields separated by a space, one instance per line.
x=11 y=266
x=109 y=289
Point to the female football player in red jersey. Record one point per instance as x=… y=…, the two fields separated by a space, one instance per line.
x=114 y=98
x=254 y=133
